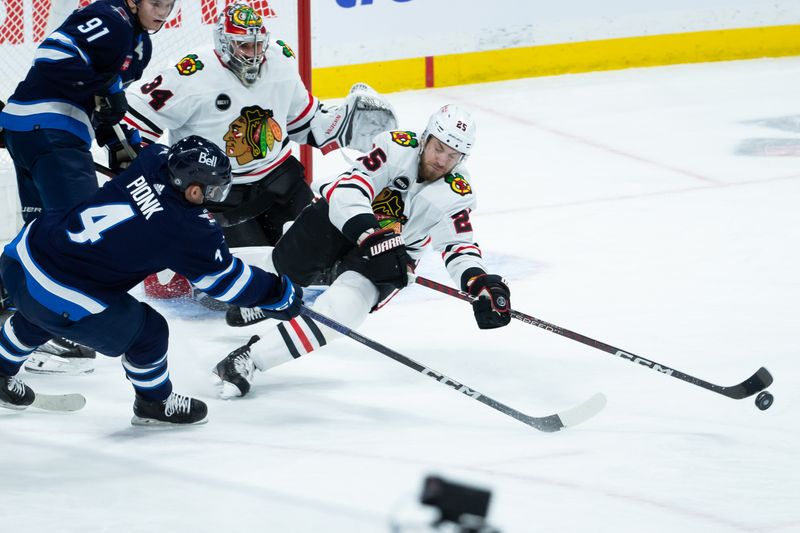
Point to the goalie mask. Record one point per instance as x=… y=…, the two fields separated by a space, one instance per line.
x=454 y=127
x=241 y=40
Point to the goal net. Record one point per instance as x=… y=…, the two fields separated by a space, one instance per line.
x=25 y=23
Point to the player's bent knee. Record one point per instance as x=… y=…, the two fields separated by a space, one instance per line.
x=153 y=340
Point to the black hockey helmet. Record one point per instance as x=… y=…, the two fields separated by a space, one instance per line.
x=195 y=160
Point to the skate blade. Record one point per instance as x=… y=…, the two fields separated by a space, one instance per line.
x=13 y=406
x=150 y=422
x=60 y=365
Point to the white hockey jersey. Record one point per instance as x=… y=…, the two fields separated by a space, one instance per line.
x=198 y=95
x=424 y=213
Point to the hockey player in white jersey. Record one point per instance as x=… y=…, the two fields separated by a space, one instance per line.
x=376 y=220
x=246 y=95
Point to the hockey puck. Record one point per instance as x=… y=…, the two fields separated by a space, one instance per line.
x=764 y=400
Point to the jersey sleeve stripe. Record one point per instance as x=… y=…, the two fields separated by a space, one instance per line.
x=368 y=187
x=69 y=42
x=267 y=169
x=51 y=55
x=298 y=118
x=147 y=122
x=206 y=282
x=238 y=285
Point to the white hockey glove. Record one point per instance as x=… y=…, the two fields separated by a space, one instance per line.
x=355 y=122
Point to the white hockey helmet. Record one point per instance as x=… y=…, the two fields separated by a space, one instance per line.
x=240 y=24
x=453 y=126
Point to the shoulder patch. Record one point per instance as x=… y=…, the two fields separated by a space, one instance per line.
x=405 y=138
x=189 y=65
x=458 y=184
x=287 y=50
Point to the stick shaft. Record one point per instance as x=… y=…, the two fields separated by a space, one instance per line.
x=756 y=383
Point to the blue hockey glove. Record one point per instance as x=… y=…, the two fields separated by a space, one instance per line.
x=287 y=306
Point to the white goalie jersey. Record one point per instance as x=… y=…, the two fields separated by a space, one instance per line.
x=198 y=95
x=425 y=213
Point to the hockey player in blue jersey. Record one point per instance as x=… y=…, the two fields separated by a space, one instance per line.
x=68 y=274
x=73 y=92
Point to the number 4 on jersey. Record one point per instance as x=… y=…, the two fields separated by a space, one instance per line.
x=99 y=219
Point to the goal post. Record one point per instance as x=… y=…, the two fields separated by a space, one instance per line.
x=25 y=23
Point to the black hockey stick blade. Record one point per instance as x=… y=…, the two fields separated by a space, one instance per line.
x=752 y=385
x=59 y=402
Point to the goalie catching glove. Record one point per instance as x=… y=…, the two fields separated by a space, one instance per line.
x=355 y=122
x=493 y=307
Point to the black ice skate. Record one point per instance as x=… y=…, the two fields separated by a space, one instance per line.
x=175 y=410
x=236 y=372
x=14 y=394
x=61 y=356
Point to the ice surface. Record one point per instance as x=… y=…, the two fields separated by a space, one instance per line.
x=630 y=206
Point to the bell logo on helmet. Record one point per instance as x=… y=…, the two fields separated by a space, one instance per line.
x=206 y=160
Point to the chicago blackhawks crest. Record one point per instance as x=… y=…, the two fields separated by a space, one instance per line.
x=458 y=183
x=244 y=16
x=189 y=65
x=252 y=135
x=388 y=207
x=405 y=138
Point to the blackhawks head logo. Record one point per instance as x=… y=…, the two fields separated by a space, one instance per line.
x=388 y=208
x=252 y=135
x=244 y=16
x=189 y=65
x=458 y=183
x=405 y=138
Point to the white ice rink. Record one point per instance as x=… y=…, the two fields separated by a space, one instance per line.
x=657 y=210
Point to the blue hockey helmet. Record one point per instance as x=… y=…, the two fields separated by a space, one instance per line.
x=195 y=160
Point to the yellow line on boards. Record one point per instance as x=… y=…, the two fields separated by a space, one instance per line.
x=554 y=59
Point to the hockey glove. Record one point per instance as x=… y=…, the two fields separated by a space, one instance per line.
x=288 y=303
x=110 y=109
x=493 y=307
x=118 y=156
x=111 y=105
x=382 y=258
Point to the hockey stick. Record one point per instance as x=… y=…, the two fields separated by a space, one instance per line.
x=555 y=422
x=59 y=402
x=755 y=383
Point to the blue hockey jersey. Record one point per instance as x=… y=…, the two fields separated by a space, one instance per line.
x=99 y=49
x=80 y=261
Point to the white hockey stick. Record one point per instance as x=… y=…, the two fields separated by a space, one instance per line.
x=59 y=402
